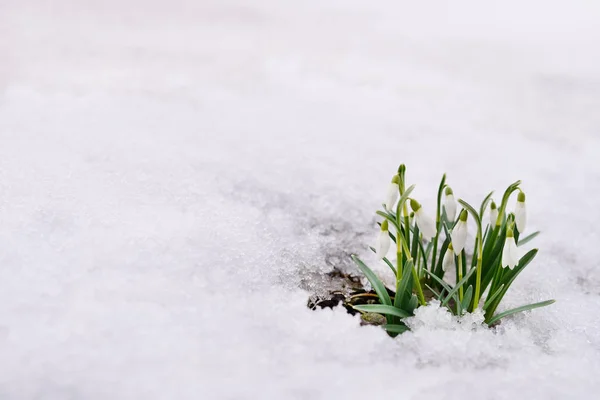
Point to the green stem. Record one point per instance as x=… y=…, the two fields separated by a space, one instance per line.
x=438 y=225
x=420 y=294
x=460 y=276
x=479 y=266
x=398 y=261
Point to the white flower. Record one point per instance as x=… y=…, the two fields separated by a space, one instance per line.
x=450 y=204
x=493 y=214
x=448 y=261
x=510 y=253
x=382 y=245
x=459 y=233
x=520 y=213
x=424 y=222
x=392 y=194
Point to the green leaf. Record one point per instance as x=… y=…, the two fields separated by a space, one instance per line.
x=467 y=298
x=528 y=238
x=378 y=286
x=523 y=262
x=508 y=278
x=438 y=269
x=404 y=289
x=386 y=216
x=433 y=291
x=438 y=212
x=413 y=304
x=415 y=243
x=382 y=309
x=396 y=328
x=498 y=317
x=490 y=299
x=444 y=284
x=385 y=259
x=404 y=197
x=458 y=286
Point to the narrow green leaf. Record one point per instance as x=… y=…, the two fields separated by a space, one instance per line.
x=412 y=304
x=439 y=268
x=490 y=299
x=444 y=284
x=404 y=197
x=415 y=243
x=385 y=259
x=437 y=218
x=404 y=289
x=382 y=309
x=467 y=298
x=434 y=291
x=378 y=286
x=498 y=317
x=386 y=216
x=508 y=278
x=528 y=238
x=396 y=328
x=458 y=286
x=424 y=254
x=523 y=262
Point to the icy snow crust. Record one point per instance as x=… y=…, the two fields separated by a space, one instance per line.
x=174 y=175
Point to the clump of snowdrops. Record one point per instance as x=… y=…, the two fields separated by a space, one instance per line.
x=426 y=249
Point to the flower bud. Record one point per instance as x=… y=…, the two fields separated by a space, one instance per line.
x=459 y=233
x=448 y=261
x=493 y=214
x=510 y=252
x=392 y=194
x=450 y=204
x=520 y=213
x=382 y=244
x=424 y=222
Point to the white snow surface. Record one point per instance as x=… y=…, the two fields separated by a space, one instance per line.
x=173 y=173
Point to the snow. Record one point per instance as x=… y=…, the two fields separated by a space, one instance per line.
x=174 y=175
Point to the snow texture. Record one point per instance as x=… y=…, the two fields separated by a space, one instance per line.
x=174 y=174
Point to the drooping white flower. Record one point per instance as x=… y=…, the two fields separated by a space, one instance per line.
x=392 y=194
x=520 y=213
x=424 y=222
x=510 y=252
x=448 y=261
x=382 y=246
x=459 y=233
x=493 y=214
x=450 y=204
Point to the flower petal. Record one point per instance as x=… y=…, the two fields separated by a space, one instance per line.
x=510 y=253
x=425 y=224
x=383 y=244
x=450 y=207
x=392 y=196
x=459 y=237
x=520 y=216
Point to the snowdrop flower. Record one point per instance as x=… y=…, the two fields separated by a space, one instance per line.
x=393 y=193
x=448 y=261
x=425 y=224
x=520 y=213
x=383 y=241
x=493 y=214
x=510 y=253
x=450 y=204
x=459 y=233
